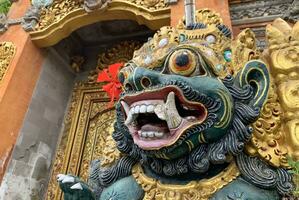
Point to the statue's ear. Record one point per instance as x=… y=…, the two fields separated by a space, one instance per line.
x=255 y=73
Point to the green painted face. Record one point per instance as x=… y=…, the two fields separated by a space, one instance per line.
x=179 y=95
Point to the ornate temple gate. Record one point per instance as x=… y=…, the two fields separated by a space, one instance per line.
x=88 y=123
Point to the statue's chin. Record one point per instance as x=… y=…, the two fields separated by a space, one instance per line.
x=158 y=118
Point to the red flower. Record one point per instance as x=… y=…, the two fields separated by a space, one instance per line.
x=114 y=87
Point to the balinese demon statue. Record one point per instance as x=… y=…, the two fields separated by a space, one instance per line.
x=190 y=123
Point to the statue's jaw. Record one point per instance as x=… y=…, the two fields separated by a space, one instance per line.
x=158 y=118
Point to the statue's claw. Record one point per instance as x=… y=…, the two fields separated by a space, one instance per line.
x=73 y=188
x=68 y=179
x=60 y=177
x=77 y=186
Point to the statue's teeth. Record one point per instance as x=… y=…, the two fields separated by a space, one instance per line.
x=150 y=108
x=137 y=109
x=125 y=107
x=160 y=111
x=159 y=134
x=142 y=109
x=150 y=134
x=173 y=118
x=130 y=117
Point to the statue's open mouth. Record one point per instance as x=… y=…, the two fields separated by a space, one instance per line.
x=157 y=118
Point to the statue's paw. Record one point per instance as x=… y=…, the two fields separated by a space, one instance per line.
x=73 y=188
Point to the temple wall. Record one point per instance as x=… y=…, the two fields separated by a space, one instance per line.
x=18 y=83
x=28 y=171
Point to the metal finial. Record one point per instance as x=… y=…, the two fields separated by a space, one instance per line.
x=190 y=13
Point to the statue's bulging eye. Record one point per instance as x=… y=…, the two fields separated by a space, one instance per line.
x=182 y=62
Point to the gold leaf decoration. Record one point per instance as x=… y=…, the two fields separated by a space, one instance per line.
x=7 y=52
x=276 y=132
x=58 y=10
x=243 y=50
x=268 y=139
x=150 y=4
x=205 y=16
x=204 y=189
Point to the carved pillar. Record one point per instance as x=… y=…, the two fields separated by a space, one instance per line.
x=177 y=10
x=17 y=84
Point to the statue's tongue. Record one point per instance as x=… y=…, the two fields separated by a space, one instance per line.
x=157 y=127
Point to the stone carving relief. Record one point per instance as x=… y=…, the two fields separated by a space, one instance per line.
x=255 y=9
x=28 y=21
x=60 y=9
x=91 y=5
x=44 y=13
x=293 y=13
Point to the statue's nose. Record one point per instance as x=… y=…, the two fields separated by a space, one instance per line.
x=140 y=79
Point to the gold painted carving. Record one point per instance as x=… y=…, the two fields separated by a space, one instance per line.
x=168 y=38
x=203 y=190
x=268 y=140
x=7 y=52
x=276 y=132
x=64 y=16
x=243 y=49
x=206 y=16
x=122 y=52
x=284 y=57
x=150 y=4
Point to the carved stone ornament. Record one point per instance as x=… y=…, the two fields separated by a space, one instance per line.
x=92 y=5
x=5 y=23
x=293 y=13
x=30 y=18
x=200 y=117
x=7 y=52
x=263 y=10
x=58 y=20
x=60 y=9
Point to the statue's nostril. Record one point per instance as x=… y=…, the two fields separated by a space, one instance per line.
x=128 y=87
x=146 y=82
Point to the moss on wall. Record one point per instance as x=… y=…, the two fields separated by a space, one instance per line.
x=4 y=6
